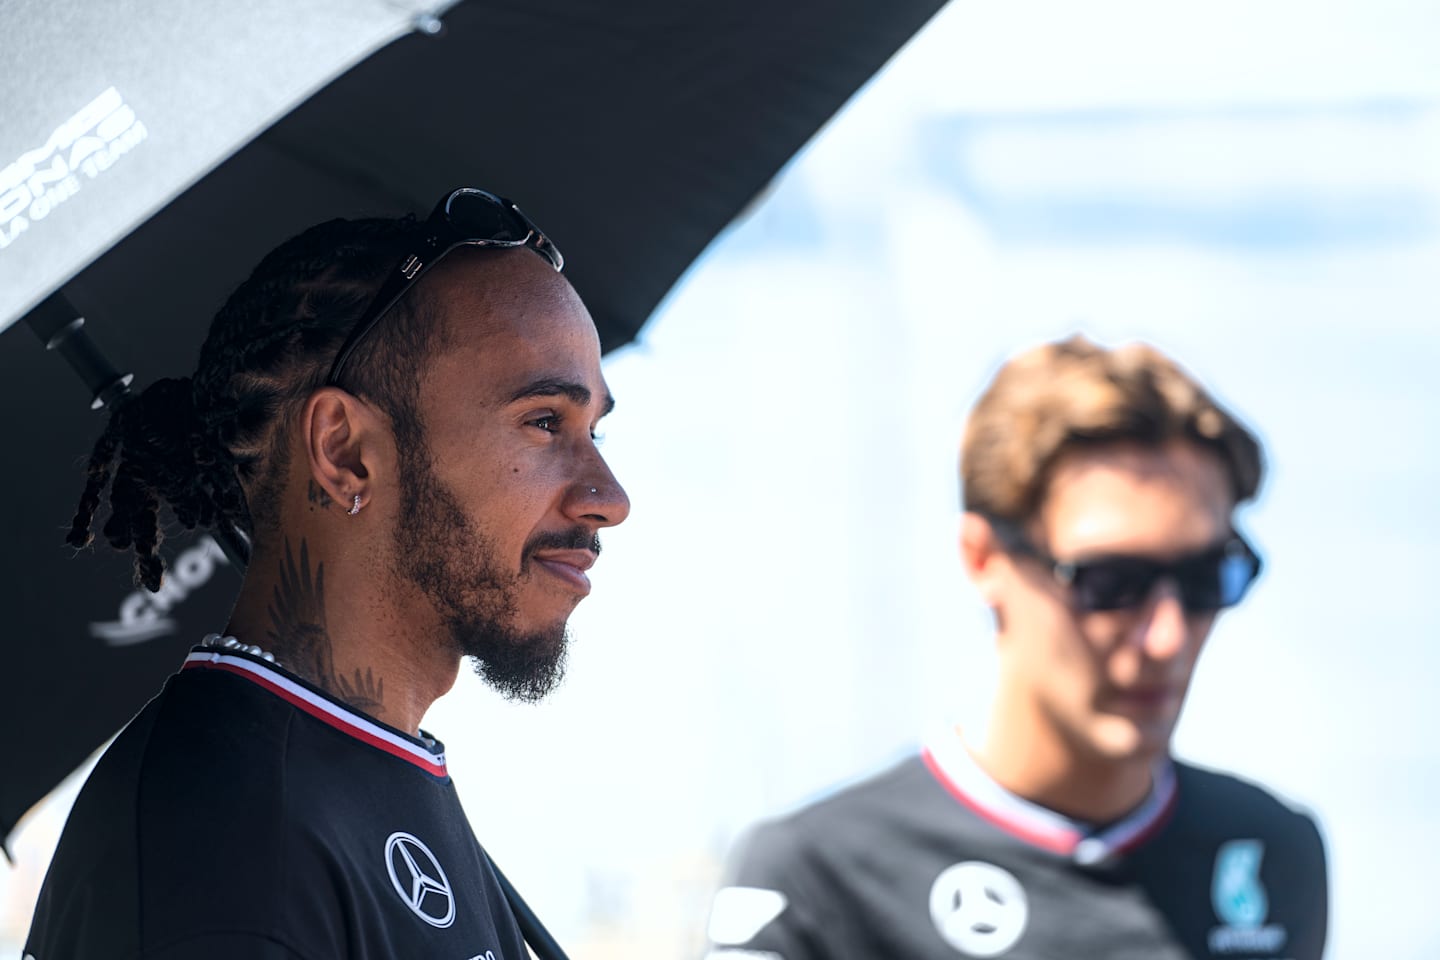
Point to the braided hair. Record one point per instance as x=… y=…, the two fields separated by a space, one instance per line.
x=213 y=447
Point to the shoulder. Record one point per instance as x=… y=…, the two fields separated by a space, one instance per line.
x=793 y=879
x=844 y=820
x=198 y=754
x=1235 y=824
x=218 y=815
x=881 y=794
x=874 y=796
x=1264 y=858
x=215 y=755
x=185 y=799
x=1226 y=804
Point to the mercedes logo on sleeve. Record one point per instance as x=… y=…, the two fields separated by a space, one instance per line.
x=978 y=908
x=419 y=879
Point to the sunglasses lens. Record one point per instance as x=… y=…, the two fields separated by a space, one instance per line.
x=1206 y=583
x=1237 y=572
x=1217 y=580
x=479 y=216
x=1113 y=584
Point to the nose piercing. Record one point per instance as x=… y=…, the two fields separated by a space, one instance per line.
x=593 y=491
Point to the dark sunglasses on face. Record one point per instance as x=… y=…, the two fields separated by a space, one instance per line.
x=463 y=218
x=1208 y=580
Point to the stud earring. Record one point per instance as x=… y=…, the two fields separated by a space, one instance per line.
x=356 y=508
x=593 y=491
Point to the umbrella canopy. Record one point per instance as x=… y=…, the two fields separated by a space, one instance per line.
x=158 y=152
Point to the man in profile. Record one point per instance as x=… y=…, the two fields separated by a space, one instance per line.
x=400 y=419
x=1099 y=490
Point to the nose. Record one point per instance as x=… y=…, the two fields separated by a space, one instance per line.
x=1165 y=631
x=597 y=497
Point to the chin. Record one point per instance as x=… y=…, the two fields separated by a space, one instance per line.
x=1120 y=740
x=541 y=610
x=542 y=626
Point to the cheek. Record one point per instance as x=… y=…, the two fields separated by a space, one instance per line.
x=516 y=495
x=1199 y=627
x=1066 y=658
x=500 y=498
x=1108 y=639
x=1059 y=653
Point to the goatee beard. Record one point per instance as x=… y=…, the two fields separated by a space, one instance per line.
x=453 y=563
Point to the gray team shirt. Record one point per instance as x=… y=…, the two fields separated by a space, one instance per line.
x=932 y=860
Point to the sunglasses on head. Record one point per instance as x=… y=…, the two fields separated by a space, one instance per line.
x=463 y=218
x=1208 y=580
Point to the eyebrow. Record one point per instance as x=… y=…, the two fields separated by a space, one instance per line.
x=576 y=393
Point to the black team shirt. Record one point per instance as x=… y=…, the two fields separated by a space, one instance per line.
x=933 y=860
x=246 y=813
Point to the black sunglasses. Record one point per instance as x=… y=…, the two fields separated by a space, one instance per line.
x=1209 y=580
x=463 y=218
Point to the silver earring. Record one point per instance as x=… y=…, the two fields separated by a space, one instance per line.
x=356 y=508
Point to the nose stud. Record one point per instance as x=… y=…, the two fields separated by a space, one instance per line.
x=593 y=491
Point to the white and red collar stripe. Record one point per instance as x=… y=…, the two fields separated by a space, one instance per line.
x=321 y=707
x=952 y=764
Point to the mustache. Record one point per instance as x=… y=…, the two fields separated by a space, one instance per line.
x=576 y=538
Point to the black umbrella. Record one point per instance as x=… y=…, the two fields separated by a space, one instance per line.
x=632 y=131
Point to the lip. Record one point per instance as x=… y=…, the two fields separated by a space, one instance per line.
x=1144 y=699
x=569 y=566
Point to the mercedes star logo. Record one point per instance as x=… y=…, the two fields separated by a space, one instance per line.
x=419 y=879
x=978 y=908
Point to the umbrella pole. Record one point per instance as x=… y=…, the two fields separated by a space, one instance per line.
x=61 y=328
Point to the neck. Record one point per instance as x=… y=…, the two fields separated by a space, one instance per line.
x=1028 y=756
x=323 y=618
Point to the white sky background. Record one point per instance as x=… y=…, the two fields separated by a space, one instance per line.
x=1254 y=187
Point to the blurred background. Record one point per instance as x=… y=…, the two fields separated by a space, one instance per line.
x=1253 y=187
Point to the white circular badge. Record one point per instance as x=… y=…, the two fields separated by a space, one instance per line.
x=978 y=908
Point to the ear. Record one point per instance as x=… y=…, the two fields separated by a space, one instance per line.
x=340 y=435
x=981 y=556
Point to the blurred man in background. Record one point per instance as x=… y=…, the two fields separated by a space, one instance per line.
x=1100 y=488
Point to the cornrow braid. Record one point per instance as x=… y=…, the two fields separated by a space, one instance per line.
x=212 y=448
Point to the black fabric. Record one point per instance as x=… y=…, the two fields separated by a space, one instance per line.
x=224 y=821
x=856 y=873
x=633 y=133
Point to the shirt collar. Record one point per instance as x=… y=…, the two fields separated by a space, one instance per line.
x=427 y=754
x=951 y=763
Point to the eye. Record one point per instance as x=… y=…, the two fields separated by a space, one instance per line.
x=549 y=422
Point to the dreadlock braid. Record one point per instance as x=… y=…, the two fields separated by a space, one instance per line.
x=97 y=476
x=213 y=448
